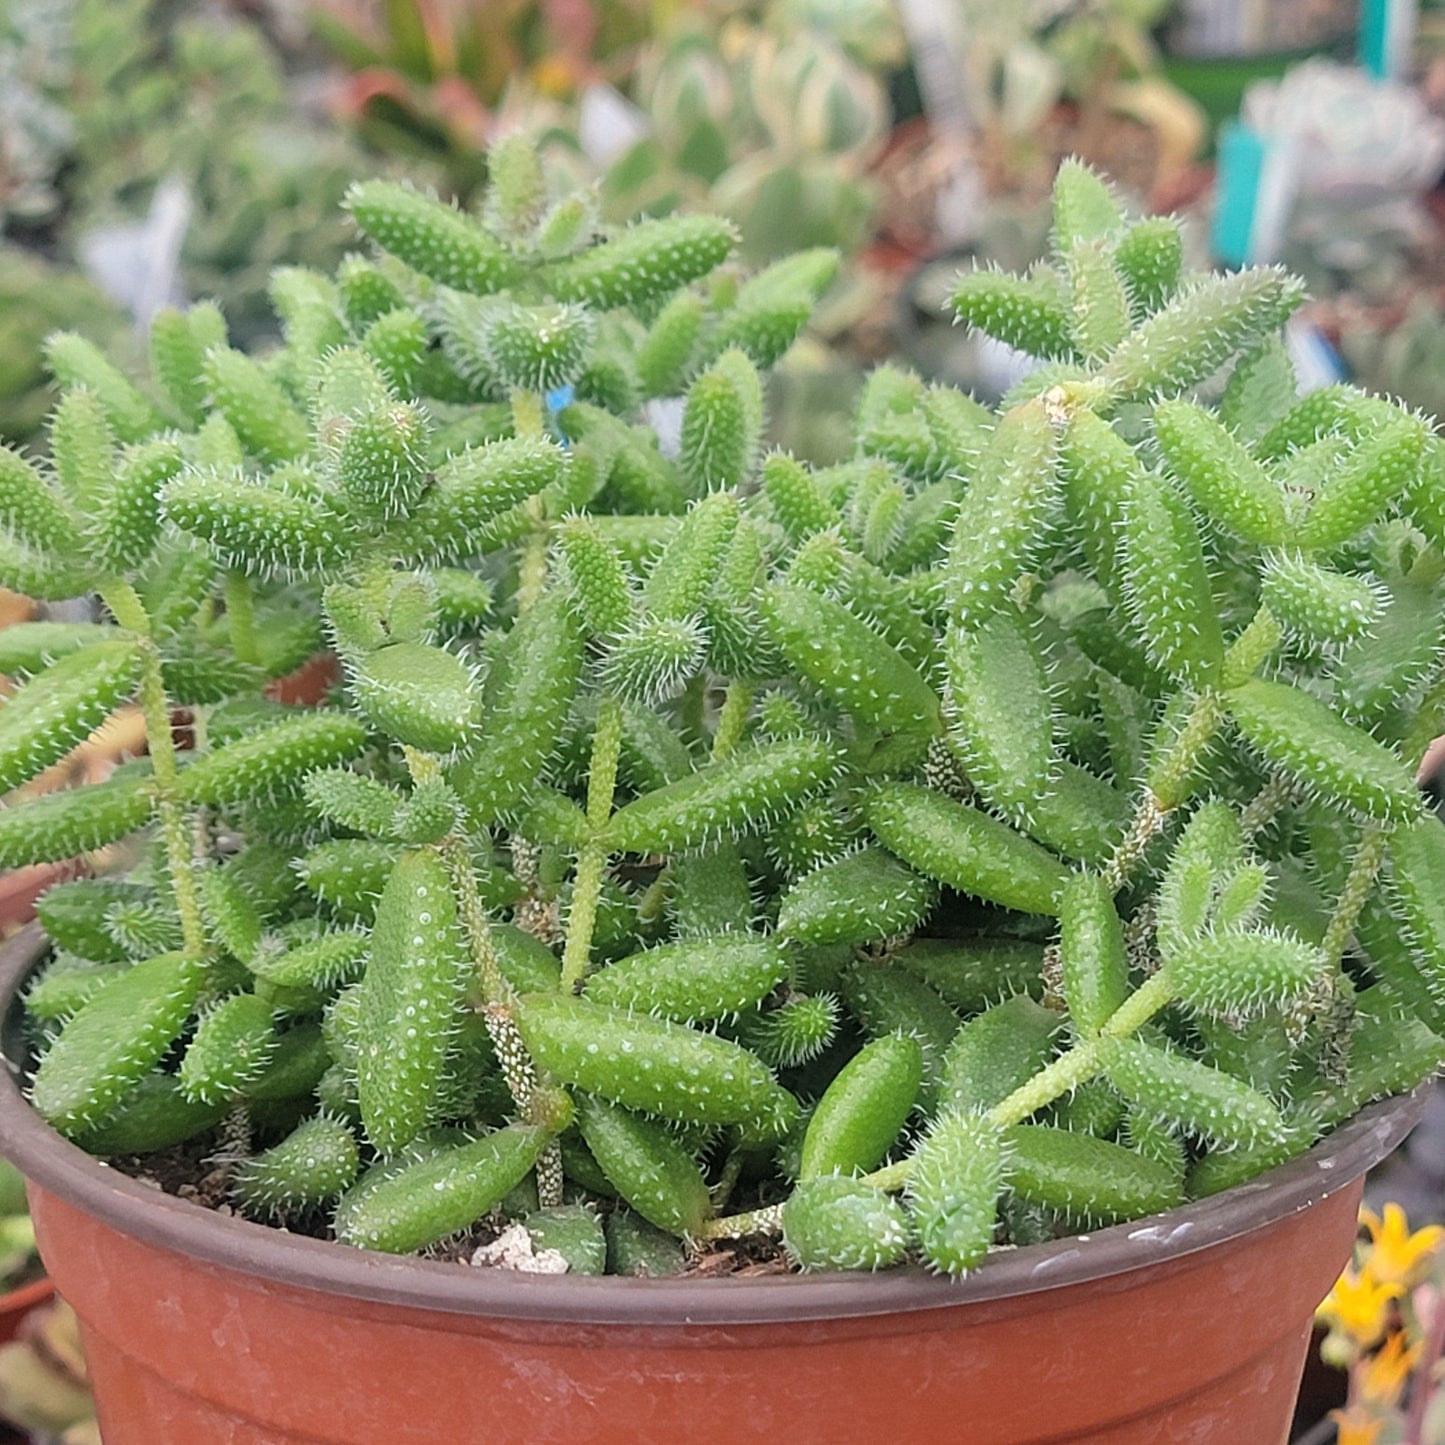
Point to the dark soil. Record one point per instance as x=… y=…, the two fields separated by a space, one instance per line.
x=193 y=1171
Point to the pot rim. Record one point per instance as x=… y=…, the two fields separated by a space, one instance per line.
x=230 y=1242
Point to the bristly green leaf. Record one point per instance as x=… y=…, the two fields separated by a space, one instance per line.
x=1084 y=206
x=411 y=1001
x=1228 y=485
x=966 y=849
x=1149 y=256
x=114 y=1042
x=1002 y=518
x=63 y=706
x=1307 y=739
x=76 y=362
x=272 y=761
x=255 y=528
x=31 y=510
x=65 y=824
x=854 y=900
x=431 y=237
x=1198 y=331
x=179 y=341
x=1318 y=605
x=1099 y=302
x=1168 y=582
x=1372 y=476
x=1234 y=974
x=848 y=661
x=722 y=423
x=1194 y=1096
x=1030 y=314
x=269 y=427
x=1000 y=715
x=1093 y=959
x=956 y=1177
x=724 y=799
x=649 y=260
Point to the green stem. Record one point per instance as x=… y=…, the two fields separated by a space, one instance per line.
x=755 y=1221
x=528 y=416
x=732 y=720
x=1248 y=652
x=592 y=860
x=128 y=609
x=1265 y=805
x=1167 y=786
x=1080 y=1064
x=1369 y=859
x=475 y=926
x=241 y=610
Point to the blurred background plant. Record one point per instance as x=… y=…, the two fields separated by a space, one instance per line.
x=1385 y=1319
x=165 y=147
x=36 y=130
x=438 y=79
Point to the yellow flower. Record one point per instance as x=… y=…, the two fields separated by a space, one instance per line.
x=1356 y=1428
x=1396 y=1255
x=1381 y=1378
x=1359 y=1306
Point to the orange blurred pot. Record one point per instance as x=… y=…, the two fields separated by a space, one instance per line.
x=15 y=1304
x=202 y=1329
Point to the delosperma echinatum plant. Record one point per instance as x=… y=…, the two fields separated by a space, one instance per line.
x=1008 y=830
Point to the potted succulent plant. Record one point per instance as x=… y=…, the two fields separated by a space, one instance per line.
x=1007 y=832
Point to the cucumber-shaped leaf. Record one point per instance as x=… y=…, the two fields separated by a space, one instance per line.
x=1235 y=974
x=861 y=1113
x=65 y=824
x=996 y=1052
x=411 y=1001
x=431 y=237
x=63 y=706
x=863 y=896
x=1087 y=1180
x=417 y=1204
x=114 y=1042
x=650 y=259
x=835 y=1223
x=965 y=848
x=314 y=1164
x=654 y=1065
x=646 y=1164
x=1194 y=1096
x=693 y=981
x=1232 y=489
x=724 y=799
x=954 y=1180
x=847 y=660
x=273 y=761
x=1093 y=959
x=1307 y=739
x=1000 y=714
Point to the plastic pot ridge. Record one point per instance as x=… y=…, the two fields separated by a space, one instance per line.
x=1189 y=1328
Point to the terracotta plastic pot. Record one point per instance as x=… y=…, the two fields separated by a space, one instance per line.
x=201 y=1329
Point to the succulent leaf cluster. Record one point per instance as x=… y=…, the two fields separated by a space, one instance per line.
x=1009 y=829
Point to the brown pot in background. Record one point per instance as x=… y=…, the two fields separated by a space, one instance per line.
x=15 y=1304
x=20 y=887
x=199 y=1327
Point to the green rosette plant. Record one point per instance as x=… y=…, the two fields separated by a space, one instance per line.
x=1007 y=830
